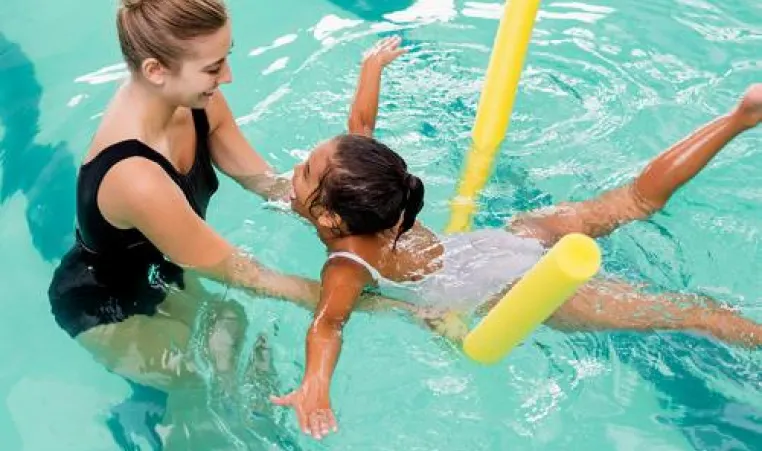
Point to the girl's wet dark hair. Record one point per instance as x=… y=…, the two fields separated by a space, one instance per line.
x=368 y=185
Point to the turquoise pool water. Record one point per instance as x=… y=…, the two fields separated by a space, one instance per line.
x=607 y=86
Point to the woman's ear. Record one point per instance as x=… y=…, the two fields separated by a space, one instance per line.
x=153 y=71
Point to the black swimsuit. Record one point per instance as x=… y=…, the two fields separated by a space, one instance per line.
x=111 y=274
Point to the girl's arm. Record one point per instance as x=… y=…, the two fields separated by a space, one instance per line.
x=364 y=109
x=343 y=282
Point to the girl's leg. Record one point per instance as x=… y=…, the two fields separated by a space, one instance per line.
x=651 y=190
x=611 y=305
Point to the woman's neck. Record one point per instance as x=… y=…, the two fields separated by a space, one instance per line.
x=154 y=111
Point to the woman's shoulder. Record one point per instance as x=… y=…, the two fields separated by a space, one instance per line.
x=116 y=129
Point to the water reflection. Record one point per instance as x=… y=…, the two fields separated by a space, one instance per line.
x=44 y=173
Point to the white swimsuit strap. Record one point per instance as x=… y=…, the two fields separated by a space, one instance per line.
x=359 y=260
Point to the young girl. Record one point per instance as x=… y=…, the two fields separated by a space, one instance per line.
x=363 y=202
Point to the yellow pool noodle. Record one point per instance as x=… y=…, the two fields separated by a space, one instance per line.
x=495 y=105
x=567 y=265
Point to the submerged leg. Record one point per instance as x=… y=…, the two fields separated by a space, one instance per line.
x=610 y=305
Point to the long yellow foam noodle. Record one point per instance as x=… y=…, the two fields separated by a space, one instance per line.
x=495 y=105
x=567 y=265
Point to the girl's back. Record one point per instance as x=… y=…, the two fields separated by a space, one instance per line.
x=471 y=267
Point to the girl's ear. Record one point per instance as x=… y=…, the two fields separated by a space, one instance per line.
x=329 y=220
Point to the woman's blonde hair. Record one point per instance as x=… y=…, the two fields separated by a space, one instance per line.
x=158 y=28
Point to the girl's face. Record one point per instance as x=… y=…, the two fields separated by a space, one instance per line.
x=306 y=180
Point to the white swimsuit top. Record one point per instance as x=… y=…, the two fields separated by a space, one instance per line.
x=476 y=265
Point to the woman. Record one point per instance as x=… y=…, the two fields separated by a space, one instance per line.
x=142 y=194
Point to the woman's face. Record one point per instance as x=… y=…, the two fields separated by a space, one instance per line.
x=202 y=71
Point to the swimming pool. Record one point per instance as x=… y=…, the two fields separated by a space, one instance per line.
x=607 y=86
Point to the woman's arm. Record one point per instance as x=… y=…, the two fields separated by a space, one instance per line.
x=137 y=193
x=236 y=158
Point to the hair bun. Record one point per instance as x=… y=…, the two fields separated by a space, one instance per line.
x=413 y=203
x=132 y=4
x=412 y=182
